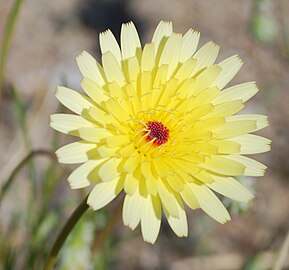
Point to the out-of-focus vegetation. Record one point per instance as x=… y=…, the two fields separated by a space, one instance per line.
x=35 y=200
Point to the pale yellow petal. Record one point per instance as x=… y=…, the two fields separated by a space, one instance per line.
x=130 y=164
x=117 y=110
x=179 y=225
x=186 y=69
x=104 y=193
x=130 y=42
x=210 y=203
x=261 y=121
x=235 y=128
x=112 y=69
x=223 y=165
x=77 y=152
x=130 y=184
x=230 y=67
x=151 y=219
x=108 y=42
x=84 y=174
x=148 y=57
x=90 y=68
x=189 y=44
x=230 y=188
x=252 y=167
x=105 y=151
x=227 y=146
x=171 y=53
x=189 y=197
x=133 y=208
x=69 y=123
x=176 y=182
x=152 y=183
x=117 y=140
x=109 y=170
x=73 y=100
x=167 y=198
x=243 y=91
x=206 y=55
x=133 y=70
x=252 y=144
x=93 y=90
x=92 y=134
x=227 y=108
x=163 y=30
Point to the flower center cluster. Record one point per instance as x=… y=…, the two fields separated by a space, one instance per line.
x=157 y=131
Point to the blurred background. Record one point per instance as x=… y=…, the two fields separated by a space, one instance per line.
x=39 y=54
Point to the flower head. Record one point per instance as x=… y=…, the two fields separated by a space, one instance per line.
x=157 y=124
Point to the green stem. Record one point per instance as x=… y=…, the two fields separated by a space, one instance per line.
x=11 y=178
x=6 y=39
x=67 y=228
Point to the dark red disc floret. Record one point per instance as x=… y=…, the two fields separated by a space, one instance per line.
x=158 y=131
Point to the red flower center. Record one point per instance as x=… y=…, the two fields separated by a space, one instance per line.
x=157 y=131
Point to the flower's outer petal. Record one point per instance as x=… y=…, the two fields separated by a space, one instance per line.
x=93 y=90
x=252 y=144
x=103 y=193
x=107 y=43
x=130 y=164
x=151 y=219
x=252 y=167
x=133 y=209
x=167 y=198
x=210 y=203
x=243 y=91
x=109 y=169
x=226 y=146
x=206 y=55
x=176 y=182
x=77 y=152
x=112 y=69
x=69 y=123
x=130 y=42
x=133 y=70
x=84 y=174
x=151 y=181
x=90 y=68
x=227 y=108
x=73 y=100
x=260 y=120
x=235 y=127
x=230 y=67
x=189 y=197
x=171 y=53
x=92 y=134
x=148 y=58
x=163 y=30
x=230 y=188
x=189 y=45
x=178 y=225
x=186 y=69
x=130 y=184
x=117 y=140
x=223 y=165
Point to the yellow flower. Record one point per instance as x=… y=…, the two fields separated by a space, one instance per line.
x=157 y=125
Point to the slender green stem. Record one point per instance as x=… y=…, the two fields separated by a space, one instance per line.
x=6 y=39
x=11 y=178
x=65 y=231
